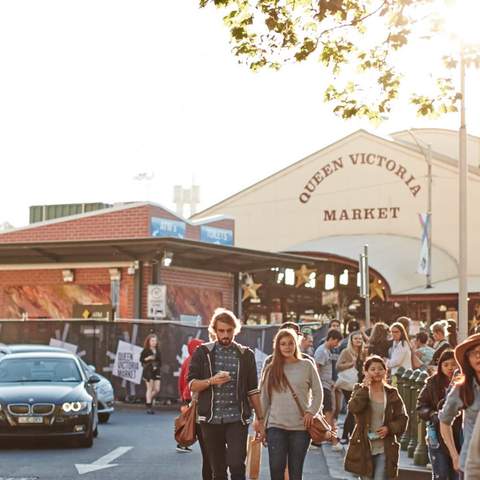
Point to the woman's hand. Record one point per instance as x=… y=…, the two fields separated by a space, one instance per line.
x=383 y=432
x=367 y=381
x=150 y=357
x=307 y=419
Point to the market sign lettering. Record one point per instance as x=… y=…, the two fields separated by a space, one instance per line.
x=379 y=213
x=359 y=159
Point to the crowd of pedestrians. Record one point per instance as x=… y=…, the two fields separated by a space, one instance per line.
x=351 y=374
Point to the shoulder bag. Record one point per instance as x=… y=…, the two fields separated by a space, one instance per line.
x=185 y=426
x=319 y=431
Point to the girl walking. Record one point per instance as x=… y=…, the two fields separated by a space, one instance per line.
x=465 y=395
x=432 y=395
x=151 y=361
x=286 y=427
x=380 y=418
x=349 y=368
x=401 y=352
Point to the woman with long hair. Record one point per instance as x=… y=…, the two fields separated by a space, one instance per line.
x=401 y=353
x=351 y=359
x=286 y=427
x=429 y=401
x=379 y=344
x=151 y=360
x=380 y=419
x=464 y=396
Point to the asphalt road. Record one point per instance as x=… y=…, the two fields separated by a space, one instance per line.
x=149 y=452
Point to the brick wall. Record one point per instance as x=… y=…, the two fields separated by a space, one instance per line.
x=126 y=223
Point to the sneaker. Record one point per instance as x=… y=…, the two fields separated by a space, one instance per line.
x=181 y=449
x=337 y=448
x=150 y=412
x=344 y=441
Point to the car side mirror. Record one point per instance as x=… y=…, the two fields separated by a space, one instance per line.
x=92 y=368
x=94 y=379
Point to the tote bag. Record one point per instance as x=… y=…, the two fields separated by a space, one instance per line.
x=346 y=379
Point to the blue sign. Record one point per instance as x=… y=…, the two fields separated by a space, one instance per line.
x=219 y=236
x=161 y=227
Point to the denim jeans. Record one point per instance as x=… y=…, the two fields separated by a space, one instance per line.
x=379 y=464
x=442 y=467
x=226 y=444
x=287 y=447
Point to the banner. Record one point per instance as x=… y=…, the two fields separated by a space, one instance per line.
x=127 y=362
x=423 y=267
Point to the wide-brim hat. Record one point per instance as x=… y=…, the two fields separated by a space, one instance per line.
x=462 y=348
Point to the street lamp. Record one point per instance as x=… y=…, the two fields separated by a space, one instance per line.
x=428 y=159
x=462 y=22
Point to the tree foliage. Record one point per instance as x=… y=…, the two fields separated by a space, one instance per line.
x=355 y=40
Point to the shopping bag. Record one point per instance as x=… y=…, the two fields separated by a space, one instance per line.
x=254 y=458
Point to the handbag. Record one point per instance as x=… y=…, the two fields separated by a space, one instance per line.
x=319 y=431
x=346 y=379
x=185 y=425
x=254 y=458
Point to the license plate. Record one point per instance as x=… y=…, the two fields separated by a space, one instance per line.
x=29 y=420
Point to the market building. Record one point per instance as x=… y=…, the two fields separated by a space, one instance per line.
x=363 y=189
x=127 y=261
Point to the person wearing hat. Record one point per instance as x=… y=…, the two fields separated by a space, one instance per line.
x=464 y=396
x=472 y=465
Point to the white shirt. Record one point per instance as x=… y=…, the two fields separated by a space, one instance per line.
x=400 y=356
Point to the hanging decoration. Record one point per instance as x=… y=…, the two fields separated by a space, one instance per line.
x=302 y=275
x=250 y=288
x=376 y=289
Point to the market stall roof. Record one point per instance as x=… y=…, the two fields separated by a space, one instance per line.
x=186 y=253
x=394 y=257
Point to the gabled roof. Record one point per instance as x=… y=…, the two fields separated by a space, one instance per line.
x=437 y=157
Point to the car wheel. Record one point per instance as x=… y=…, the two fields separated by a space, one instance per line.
x=103 y=417
x=87 y=440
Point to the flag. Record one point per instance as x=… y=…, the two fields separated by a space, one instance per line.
x=424 y=256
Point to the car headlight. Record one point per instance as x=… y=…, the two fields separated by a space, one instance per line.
x=75 y=407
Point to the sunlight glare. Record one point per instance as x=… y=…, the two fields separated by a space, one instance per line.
x=461 y=19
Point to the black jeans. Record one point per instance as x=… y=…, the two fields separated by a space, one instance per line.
x=227 y=448
x=287 y=446
x=206 y=469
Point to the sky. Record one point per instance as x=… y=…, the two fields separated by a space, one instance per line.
x=95 y=92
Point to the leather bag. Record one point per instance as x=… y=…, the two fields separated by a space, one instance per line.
x=319 y=431
x=185 y=425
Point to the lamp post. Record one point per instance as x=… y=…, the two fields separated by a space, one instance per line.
x=428 y=159
x=462 y=205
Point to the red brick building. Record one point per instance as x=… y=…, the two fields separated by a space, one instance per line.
x=109 y=257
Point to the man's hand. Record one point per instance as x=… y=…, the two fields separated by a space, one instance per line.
x=220 y=379
x=259 y=427
x=456 y=462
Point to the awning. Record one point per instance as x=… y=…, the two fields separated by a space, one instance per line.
x=394 y=257
x=186 y=253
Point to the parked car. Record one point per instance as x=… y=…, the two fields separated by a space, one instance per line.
x=47 y=395
x=104 y=389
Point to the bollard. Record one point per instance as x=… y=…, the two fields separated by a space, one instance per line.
x=406 y=399
x=412 y=414
x=420 y=456
x=397 y=380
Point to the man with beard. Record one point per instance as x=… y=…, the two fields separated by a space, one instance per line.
x=224 y=374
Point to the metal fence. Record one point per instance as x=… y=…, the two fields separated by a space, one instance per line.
x=96 y=342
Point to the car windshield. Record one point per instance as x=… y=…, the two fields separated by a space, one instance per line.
x=17 y=370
